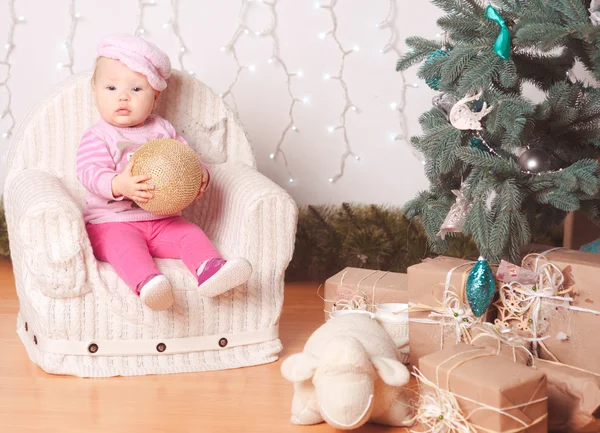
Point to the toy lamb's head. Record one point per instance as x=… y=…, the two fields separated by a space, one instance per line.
x=347 y=381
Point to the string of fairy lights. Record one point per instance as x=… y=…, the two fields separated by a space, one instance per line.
x=275 y=59
x=140 y=29
x=389 y=23
x=67 y=45
x=271 y=31
x=9 y=46
x=340 y=78
x=173 y=24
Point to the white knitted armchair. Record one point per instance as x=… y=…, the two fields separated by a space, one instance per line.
x=76 y=315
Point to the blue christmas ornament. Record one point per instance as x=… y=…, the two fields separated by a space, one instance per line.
x=478 y=106
x=435 y=81
x=477 y=143
x=481 y=287
x=592 y=247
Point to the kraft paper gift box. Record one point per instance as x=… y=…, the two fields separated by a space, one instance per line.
x=573 y=398
x=509 y=345
x=492 y=392
x=426 y=292
x=570 y=327
x=376 y=287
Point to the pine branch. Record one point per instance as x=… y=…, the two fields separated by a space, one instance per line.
x=420 y=48
x=572 y=9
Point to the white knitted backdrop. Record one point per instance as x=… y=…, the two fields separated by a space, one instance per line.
x=387 y=172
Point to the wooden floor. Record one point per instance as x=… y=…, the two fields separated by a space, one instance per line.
x=255 y=399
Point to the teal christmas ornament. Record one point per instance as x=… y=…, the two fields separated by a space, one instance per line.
x=435 y=81
x=502 y=44
x=477 y=143
x=481 y=287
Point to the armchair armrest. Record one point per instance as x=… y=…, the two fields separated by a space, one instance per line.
x=248 y=215
x=49 y=231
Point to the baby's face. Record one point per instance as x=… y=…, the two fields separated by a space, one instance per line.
x=123 y=97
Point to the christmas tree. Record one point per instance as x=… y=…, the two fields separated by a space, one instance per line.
x=499 y=163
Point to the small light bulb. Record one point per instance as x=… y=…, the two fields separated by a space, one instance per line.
x=65 y=45
x=270 y=60
x=393 y=136
x=300 y=73
x=257 y=33
x=331 y=179
x=4 y=135
x=59 y=66
x=294 y=128
x=252 y=67
x=291 y=180
x=356 y=48
x=7 y=46
x=306 y=99
x=246 y=31
x=322 y=35
x=353 y=108
x=381 y=51
x=317 y=5
x=423 y=162
x=415 y=85
x=78 y=15
x=191 y=72
x=356 y=157
x=331 y=129
x=394 y=105
x=182 y=49
x=327 y=76
x=272 y=156
x=152 y=2
x=165 y=25
x=220 y=95
x=438 y=35
x=142 y=31
x=21 y=18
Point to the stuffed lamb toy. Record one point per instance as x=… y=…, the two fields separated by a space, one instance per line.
x=348 y=374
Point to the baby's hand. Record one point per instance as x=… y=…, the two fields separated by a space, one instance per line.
x=204 y=183
x=131 y=186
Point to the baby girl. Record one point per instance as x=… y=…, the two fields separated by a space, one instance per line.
x=130 y=73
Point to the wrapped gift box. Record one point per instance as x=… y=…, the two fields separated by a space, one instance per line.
x=515 y=395
x=573 y=398
x=571 y=337
x=375 y=287
x=426 y=293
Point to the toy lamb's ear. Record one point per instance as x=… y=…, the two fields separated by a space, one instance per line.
x=299 y=367
x=391 y=371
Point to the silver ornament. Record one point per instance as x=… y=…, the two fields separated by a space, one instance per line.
x=535 y=160
x=444 y=102
x=461 y=116
x=455 y=220
x=594 y=14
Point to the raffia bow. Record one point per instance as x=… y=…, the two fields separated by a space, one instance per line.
x=521 y=306
x=452 y=311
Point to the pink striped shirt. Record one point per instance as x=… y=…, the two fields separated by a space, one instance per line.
x=103 y=153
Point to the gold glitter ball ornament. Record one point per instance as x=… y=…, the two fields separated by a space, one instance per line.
x=176 y=174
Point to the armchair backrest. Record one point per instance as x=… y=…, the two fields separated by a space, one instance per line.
x=49 y=135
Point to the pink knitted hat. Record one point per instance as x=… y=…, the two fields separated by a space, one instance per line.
x=140 y=56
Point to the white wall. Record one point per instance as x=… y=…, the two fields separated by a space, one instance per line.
x=386 y=173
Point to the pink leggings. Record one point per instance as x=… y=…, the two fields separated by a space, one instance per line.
x=130 y=246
